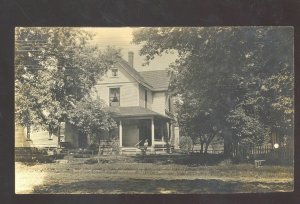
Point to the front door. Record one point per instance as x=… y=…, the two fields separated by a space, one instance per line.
x=130 y=135
x=145 y=131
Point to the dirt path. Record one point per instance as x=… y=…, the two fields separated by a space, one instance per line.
x=26 y=180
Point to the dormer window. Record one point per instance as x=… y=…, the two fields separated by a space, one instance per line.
x=114 y=72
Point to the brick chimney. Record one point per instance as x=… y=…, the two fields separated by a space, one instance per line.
x=130 y=58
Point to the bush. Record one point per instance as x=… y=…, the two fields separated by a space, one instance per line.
x=185 y=144
x=81 y=155
x=109 y=147
x=36 y=159
x=115 y=146
x=59 y=156
x=93 y=147
x=225 y=162
x=91 y=161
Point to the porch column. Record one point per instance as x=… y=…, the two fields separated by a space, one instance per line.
x=162 y=126
x=168 y=131
x=152 y=132
x=120 y=133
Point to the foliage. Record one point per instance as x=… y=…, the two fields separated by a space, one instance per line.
x=235 y=82
x=91 y=118
x=185 y=144
x=247 y=129
x=115 y=146
x=199 y=124
x=54 y=69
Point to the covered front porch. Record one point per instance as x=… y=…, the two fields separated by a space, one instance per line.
x=133 y=132
x=138 y=124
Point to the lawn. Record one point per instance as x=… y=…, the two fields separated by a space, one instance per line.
x=151 y=174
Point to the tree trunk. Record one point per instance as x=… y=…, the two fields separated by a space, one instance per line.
x=212 y=135
x=235 y=149
x=201 y=145
x=28 y=133
x=227 y=150
x=99 y=151
x=227 y=143
x=206 y=147
x=58 y=135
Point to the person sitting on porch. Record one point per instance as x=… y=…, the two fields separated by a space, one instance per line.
x=146 y=144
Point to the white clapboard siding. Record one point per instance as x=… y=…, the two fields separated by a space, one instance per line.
x=129 y=95
x=122 y=77
x=150 y=99
x=158 y=104
x=142 y=97
x=129 y=88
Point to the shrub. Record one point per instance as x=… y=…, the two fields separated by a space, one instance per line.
x=91 y=161
x=59 y=156
x=185 y=144
x=93 y=147
x=115 y=146
x=81 y=155
x=225 y=162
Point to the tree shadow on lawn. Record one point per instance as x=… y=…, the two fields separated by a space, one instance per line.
x=159 y=186
x=189 y=160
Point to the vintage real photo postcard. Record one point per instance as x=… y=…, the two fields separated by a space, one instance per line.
x=154 y=110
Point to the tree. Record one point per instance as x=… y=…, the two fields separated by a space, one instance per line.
x=92 y=119
x=197 y=123
x=232 y=71
x=54 y=69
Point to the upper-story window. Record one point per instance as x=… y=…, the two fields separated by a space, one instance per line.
x=114 y=72
x=146 y=99
x=114 y=97
x=168 y=103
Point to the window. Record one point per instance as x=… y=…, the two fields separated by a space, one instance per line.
x=114 y=97
x=146 y=99
x=114 y=72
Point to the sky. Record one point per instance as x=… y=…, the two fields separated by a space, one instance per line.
x=121 y=38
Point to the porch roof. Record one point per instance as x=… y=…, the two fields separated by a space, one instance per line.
x=135 y=111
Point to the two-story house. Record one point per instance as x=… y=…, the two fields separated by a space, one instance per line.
x=140 y=103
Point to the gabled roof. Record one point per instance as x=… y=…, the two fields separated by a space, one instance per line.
x=135 y=74
x=158 y=79
x=134 y=111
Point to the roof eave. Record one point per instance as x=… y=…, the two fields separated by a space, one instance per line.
x=146 y=116
x=160 y=89
x=141 y=82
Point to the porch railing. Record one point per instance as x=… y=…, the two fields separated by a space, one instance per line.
x=138 y=143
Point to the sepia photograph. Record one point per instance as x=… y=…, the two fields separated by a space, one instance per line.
x=154 y=110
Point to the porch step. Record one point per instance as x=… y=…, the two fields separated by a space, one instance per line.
x=137 y=151
x=130 y=150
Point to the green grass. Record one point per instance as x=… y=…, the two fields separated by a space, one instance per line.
x=124 y=174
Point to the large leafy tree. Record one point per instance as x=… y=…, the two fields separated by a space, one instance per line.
x=54 y=69
x=197 y=121
x=242 y=76
x=92 y=119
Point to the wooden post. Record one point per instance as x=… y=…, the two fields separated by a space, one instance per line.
x=28 y=133
x=120 y=133
x=162 y=131
x=152 y=132
x=169 y=132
